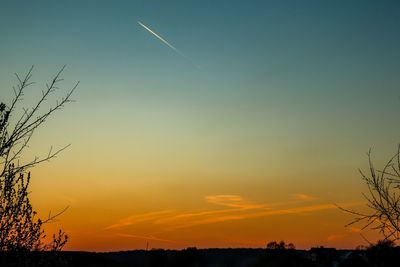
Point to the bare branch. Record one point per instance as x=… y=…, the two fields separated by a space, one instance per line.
x=383 y=199
x=19 y=227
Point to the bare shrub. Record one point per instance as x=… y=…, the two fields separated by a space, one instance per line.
x=20 y=229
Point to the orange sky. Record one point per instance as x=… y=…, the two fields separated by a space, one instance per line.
x=144 y=187
x=105 y=216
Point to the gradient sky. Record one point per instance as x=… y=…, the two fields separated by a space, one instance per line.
x=251 y=136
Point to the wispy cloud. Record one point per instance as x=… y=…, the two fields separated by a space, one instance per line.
x=303 y=197
x=355 y=229
x=341 y=236
x=239 y=215
x=134 y=219
x=235 y=207
x=233 y=201
x=336 y=237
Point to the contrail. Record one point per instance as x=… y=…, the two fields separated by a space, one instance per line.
x=167 y=43
x=160 y=38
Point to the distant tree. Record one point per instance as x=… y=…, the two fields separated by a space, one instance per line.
x=280 y=246
x=282 y=254
x=383 y=197
x=275 y=245
x=20 y=229
x=290 y=246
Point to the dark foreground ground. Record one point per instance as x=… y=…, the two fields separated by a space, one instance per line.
x=191 y=257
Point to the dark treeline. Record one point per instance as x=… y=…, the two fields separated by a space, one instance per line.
x=192 y=257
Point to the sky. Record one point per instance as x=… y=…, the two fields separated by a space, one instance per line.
x=250 y=130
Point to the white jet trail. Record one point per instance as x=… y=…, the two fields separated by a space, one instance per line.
x=167 y=43
x=160 y=38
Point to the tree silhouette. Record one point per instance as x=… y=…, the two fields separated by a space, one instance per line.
x=383 y=198
x=20 y=229
x=280 y=246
